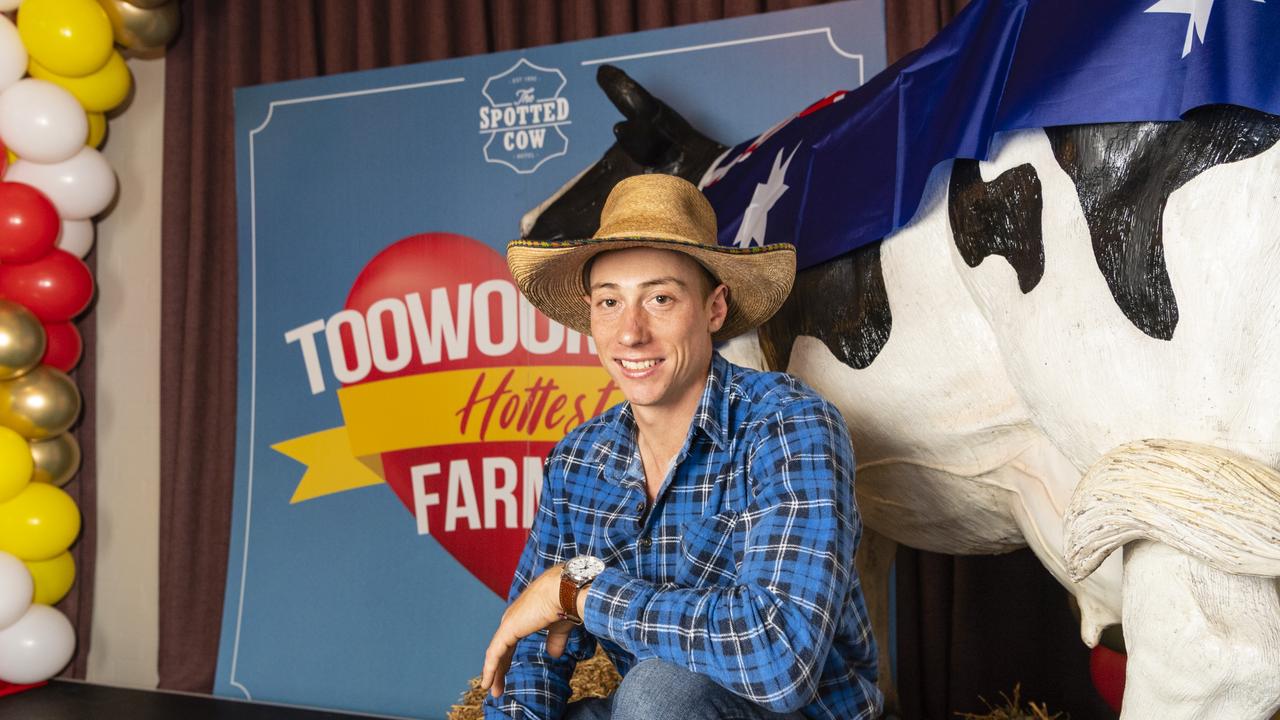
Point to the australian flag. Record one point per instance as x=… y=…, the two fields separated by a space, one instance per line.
x=851 y=168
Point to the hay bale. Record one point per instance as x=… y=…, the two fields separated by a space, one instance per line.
x=594 y=677
x=1012 y=709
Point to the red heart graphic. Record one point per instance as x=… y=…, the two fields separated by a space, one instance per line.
x=476 y=499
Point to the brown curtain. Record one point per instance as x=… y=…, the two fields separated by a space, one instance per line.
x=951 y=610
x=978 y=626
x=910 y=24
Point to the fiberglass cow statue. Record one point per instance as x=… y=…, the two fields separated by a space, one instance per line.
x=1111 y=384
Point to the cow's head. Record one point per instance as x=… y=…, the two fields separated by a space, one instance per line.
x=652 y=138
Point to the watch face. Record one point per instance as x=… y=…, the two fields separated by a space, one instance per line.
x=583 y=568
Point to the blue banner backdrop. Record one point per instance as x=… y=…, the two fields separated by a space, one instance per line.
x=396 y=397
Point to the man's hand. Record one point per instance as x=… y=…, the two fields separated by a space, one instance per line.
x=536 y=608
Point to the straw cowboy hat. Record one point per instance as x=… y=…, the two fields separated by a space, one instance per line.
x=655 y=211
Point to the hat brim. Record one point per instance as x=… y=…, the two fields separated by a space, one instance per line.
x=549 y=273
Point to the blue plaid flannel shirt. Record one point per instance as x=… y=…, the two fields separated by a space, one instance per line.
x=742 y=570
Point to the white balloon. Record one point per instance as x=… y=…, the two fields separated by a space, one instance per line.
x=76 y=237
x=79 y=188
x=16 y=589
x=36 y=647
x=7 y=5
x=13 y=54
x=41 y=122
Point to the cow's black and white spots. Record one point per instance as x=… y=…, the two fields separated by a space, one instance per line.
x=1124 y=174
x=1001 y=217
x=854 y=329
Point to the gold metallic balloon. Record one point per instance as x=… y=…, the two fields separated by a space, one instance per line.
x=57 y=459
x=140 y=26
x=40 y=404
x=21 y=340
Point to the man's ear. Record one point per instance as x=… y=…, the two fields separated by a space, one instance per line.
x=718 y=307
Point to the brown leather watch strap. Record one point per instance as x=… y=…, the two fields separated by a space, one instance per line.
x=569 y=600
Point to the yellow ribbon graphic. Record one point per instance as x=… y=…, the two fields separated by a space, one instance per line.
x=453 y=407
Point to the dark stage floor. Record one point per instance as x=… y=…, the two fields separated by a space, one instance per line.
x=65 y=700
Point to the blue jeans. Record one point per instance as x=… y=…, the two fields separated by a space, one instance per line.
x=657 y=690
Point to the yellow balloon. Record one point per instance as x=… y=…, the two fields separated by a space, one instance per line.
x=97 y=129
x=10 y=156
x=70 y=37
x=53 y=578
x=16 y=464
x=41 y=522
x=97 y=92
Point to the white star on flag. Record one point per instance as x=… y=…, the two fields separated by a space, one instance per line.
x=754 y=219
x=1197 y=12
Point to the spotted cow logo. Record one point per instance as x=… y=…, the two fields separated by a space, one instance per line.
x=524 y=117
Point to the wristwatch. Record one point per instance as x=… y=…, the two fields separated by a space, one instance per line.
x=577 y=574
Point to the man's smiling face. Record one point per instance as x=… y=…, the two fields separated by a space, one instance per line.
x=652 y=316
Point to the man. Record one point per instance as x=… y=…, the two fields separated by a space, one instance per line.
x=703 y=531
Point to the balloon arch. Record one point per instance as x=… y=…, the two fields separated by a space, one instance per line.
x=60 y=73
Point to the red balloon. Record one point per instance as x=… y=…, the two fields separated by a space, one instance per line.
x=62 y=346
x=28 y=223
x=1106 y=667
x=57 y=287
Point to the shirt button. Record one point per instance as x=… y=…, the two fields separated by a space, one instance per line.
x=645 y=543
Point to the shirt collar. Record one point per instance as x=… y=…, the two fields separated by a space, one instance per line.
x=710 y=417
x=713 y=409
